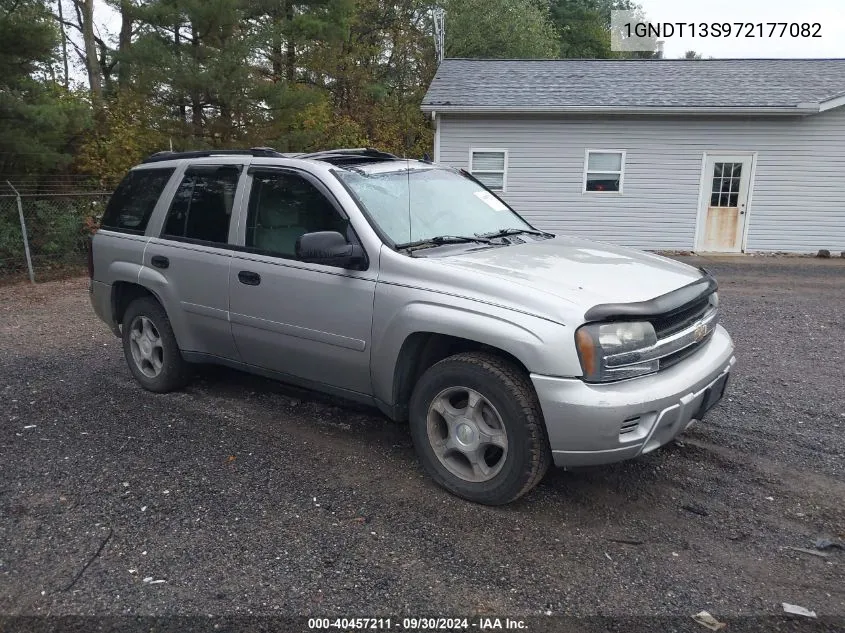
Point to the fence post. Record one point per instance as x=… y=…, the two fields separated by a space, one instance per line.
x=23 y=232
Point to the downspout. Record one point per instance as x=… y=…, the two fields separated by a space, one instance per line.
x=436 y=122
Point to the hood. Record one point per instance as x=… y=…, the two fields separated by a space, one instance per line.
x=579 y=271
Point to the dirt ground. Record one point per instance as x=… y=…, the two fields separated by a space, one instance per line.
x=243 y=496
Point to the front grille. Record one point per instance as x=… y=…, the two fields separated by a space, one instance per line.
x=677 y=357
x=686 y=317
x=667 y=325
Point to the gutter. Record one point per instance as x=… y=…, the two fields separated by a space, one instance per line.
x=801 y=109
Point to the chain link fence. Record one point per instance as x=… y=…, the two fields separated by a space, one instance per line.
x=54 y=238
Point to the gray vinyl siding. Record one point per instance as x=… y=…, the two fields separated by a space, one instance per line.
x=797 y=196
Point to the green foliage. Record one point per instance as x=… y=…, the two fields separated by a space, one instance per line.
x=584 y=27
x=499 y=29
x=57 y=228
x=39 y=120
x=129 y=130
x=11 y=244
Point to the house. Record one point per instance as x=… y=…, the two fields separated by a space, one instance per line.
x=734 y=155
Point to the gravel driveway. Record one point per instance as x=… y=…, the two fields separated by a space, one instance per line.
x=243 y=496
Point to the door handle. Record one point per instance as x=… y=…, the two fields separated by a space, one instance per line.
x=160 y=261
x=249 y=278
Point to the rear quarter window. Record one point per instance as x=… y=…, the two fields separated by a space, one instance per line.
x=132 y=203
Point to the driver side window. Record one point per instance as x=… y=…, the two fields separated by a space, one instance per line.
x=283 y=207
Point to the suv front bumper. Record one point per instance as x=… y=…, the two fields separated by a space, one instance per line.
x=590 y=424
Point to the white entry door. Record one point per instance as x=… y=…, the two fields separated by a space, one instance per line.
x=724 y=203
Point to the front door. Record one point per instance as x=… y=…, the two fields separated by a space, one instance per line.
x=310 y=321
x=723 y=213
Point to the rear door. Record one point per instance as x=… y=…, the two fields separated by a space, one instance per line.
x=189 y=259
x=310 y=321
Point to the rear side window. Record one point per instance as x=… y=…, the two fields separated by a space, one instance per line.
x=202 y=206
x=132 y=203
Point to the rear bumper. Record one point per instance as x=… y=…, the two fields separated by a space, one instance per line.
x=591 y=424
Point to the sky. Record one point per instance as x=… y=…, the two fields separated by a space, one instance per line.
x=830 y=14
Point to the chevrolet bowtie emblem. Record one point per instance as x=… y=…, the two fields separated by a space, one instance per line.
x=700 y=332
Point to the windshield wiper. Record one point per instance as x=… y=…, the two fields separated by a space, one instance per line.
x=439 y=240
x=506 y=232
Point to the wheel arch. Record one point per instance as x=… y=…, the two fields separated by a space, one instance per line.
x=422 y=349
x=124 y=293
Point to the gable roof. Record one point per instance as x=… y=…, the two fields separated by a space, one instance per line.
x=707 y=86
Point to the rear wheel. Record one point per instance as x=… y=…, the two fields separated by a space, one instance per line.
x=150 y=347
x=478 y=429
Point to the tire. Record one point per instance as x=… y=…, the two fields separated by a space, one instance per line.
x=157 y=363
x=505 y=404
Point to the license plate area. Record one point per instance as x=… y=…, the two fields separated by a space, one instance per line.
x=712 y=395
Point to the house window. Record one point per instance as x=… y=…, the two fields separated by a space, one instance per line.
x=490 y=166
x=603 y=170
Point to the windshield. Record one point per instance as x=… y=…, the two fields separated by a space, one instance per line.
x=415 y=205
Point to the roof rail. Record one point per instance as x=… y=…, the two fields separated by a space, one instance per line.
x=254 y=151
x=349 y=154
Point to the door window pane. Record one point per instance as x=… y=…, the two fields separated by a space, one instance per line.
x=283 y=207
x=202 y=207
x=727 y=178
x=132 y=203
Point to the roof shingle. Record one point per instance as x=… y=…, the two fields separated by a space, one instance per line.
x=584 y=83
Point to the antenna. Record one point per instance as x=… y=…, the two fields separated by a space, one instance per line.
x=438 y=14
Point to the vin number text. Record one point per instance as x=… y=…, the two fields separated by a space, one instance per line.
x=722 y=29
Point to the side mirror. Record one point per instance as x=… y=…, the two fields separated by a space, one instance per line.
x=329 y=248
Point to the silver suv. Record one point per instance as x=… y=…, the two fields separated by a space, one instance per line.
x=412 y=287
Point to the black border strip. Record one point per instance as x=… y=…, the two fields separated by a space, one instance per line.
x=664 y=305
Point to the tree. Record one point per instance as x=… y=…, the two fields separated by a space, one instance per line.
x=584 y=26
x=85 y=17
x=39 y=120
x=372 y=81
x=693 y=55
x=499 y=29
x=124 y=43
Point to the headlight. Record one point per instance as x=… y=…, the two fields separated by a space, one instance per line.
x=612 y=351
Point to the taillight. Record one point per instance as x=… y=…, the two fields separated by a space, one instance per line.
x=91 y=257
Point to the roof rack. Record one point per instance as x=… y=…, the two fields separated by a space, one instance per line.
x=254 y=151
x=349 y=155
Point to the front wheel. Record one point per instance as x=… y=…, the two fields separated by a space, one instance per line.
x=478 y=429
x=150 y=347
